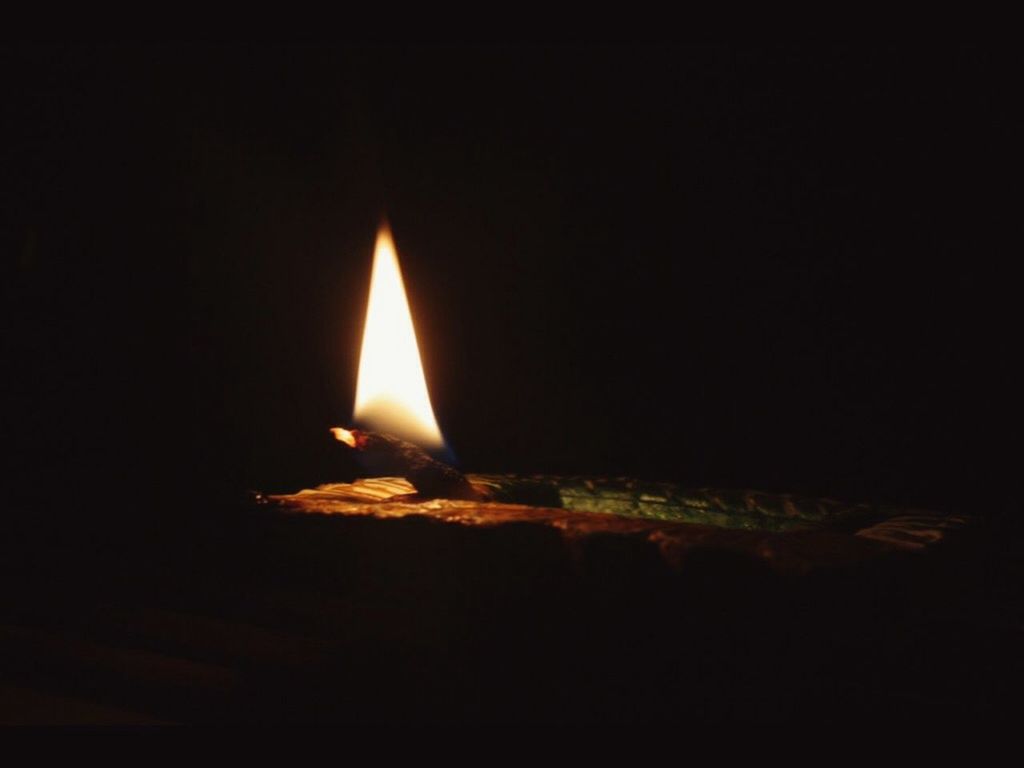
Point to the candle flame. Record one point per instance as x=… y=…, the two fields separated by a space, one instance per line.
x=391 y=391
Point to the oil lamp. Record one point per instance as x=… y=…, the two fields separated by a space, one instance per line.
x=398 y=440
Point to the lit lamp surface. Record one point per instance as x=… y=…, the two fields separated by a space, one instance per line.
x=393 y=401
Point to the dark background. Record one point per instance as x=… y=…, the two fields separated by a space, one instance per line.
x=785 y=269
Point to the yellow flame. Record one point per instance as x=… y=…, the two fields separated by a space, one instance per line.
x=391 y=391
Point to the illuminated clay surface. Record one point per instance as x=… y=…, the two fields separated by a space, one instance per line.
x=786 y=531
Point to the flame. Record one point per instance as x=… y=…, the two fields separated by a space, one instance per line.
x=391 y=391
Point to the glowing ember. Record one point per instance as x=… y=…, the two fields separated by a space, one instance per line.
x=391 y=392
x=344 y=436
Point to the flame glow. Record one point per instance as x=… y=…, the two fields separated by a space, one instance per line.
x=391 y=391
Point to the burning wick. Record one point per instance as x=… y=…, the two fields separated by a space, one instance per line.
x=344 y=436
x=391 y=391
x=390 y=455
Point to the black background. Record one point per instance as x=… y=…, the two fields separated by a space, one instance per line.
x=776 y=268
